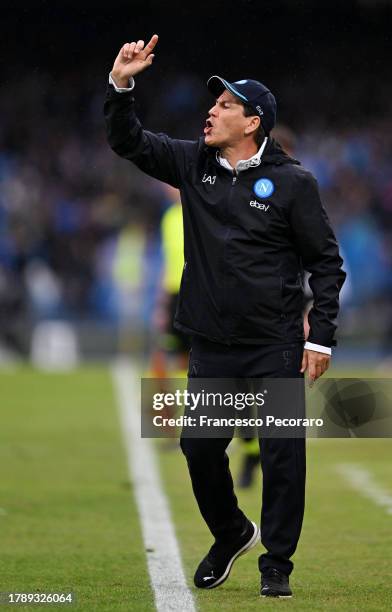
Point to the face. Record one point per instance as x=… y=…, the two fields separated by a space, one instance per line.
x=226 y=124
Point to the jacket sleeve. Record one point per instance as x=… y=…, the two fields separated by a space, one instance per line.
x=158 y=155
x=318 y=248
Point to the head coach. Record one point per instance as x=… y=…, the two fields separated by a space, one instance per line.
x=253 y=221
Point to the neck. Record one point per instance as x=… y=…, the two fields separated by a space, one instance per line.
x=243 y=150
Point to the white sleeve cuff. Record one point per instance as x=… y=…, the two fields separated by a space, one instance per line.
x=122 y=89
x=310 y=346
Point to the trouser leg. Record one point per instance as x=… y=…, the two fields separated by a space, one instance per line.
x=207 y=460
x=284 y=466
x=212 y=484
x=283 y=462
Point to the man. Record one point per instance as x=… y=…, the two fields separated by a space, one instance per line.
x=252 y=221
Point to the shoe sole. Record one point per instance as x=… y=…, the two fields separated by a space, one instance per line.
x=252 y=542
x=277 y=596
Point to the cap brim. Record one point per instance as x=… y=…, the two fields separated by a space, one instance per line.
x=217 y=86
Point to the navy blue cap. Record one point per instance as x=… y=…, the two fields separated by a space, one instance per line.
x=250 y=92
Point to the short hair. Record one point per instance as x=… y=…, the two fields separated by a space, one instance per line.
x=259 y=134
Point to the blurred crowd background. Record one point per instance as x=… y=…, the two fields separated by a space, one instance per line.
x=80 y=240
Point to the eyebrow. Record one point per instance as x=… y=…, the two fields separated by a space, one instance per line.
x=227 y=102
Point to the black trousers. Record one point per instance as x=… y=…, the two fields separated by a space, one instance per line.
x=282 y=460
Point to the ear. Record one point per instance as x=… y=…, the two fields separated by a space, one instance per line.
x=253 y=124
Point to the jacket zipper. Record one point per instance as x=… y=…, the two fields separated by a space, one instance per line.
x=225 y=305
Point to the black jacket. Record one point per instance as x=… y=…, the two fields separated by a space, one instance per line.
x=244 y=254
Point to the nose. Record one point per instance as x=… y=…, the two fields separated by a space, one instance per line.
x=212 y=111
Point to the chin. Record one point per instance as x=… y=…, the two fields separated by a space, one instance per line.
x=211 y=142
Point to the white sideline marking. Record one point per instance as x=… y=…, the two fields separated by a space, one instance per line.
x=363 y=481
x=167 y=576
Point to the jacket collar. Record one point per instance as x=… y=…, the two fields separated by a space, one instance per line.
x=243 y=164
x=271 y=154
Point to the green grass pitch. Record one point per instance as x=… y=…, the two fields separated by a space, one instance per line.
x=68 y=519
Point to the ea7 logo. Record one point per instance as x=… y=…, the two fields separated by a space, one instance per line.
x=256 y=204
x=208 y=179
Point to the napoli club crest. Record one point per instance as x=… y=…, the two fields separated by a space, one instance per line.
x=263 y=188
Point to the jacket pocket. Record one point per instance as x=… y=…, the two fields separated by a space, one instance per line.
x=290 y=287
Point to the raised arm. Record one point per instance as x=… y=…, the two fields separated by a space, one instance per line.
x=164 y=158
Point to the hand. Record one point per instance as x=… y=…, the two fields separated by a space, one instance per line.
x=316 y=364
x=133 y=58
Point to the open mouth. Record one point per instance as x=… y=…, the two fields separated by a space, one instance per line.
x=208 y=126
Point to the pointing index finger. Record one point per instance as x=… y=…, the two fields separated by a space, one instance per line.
x=150 y=46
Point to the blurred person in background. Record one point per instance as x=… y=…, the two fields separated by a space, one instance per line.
x=170 y=356
x=13 y=316
x=170 y=347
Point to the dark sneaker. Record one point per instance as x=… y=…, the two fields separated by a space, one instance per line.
x=215 y=567
x=275 y=584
